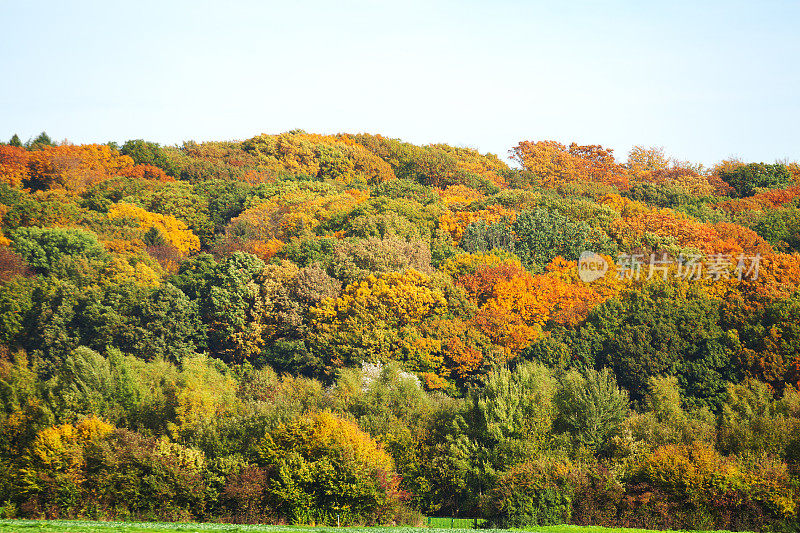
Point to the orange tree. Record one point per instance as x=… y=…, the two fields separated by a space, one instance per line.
x=516 y=307
x=13 y=165
x=763 y=312
x=555 y=164
x=74 y=167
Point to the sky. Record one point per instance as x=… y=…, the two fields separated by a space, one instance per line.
x=705 y=80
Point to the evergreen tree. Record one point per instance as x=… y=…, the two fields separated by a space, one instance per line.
x=40 y=142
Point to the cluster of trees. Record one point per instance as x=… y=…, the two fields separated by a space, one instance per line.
x=301 y=327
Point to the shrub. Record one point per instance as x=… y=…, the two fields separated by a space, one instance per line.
x=714 y=492
x=322 y=466
x=532 y=494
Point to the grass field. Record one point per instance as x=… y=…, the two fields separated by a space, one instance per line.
x=82 y=526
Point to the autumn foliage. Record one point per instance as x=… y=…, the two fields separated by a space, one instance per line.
x=13 y=165
x=74 y=167
x=297 y=327
x=554 y=163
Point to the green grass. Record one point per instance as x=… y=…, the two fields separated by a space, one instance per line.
x=459 y=523
x=85 y=526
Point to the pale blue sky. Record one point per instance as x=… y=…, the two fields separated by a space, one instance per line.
x=705 y=80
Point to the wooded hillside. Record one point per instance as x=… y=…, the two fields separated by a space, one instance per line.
x=297 y=326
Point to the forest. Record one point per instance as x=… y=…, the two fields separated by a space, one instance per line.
x=298 y=328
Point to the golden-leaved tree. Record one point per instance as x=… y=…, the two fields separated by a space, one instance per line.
x=387 y=317
x=54 y=466
x=324 y=468
x=319 y=156
x=173 y=231
x=514 y=306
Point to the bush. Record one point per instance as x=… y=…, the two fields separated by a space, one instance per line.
x=532 y=494
x=245 y=495
x=90 y=468
x=322 y=466
x=707 y=491
x=146 y=478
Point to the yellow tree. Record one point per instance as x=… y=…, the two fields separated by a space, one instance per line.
x=382 y=318
x=320 y=156
x=323 y=466
x=642 y=160
x=175 y=232
x=54 y=463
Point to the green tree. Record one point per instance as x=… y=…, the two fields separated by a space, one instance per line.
x=402 y=188
x=14 y=141
x=543 y=234
x=355 y=259
x=76 y=309
x=16 y=302
x=511 y=421
x=226 y=199
x=769 y=339
x=310 y=251
x=42 y=248
x=662 y=195
x=664 y=419
x=483 y=237
x=168 y=325
x=590 y=407
x=194 y=275
x=536 y=493
x=385 y=217
x=24 y=413
x=136 y=475
x=83 y=385
x=754 y=423
x=780 y=228
x=39 y=142
x=662 y=329
x=233 y=308
x=154 y=237
x=745 y=179
x=148 y=153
